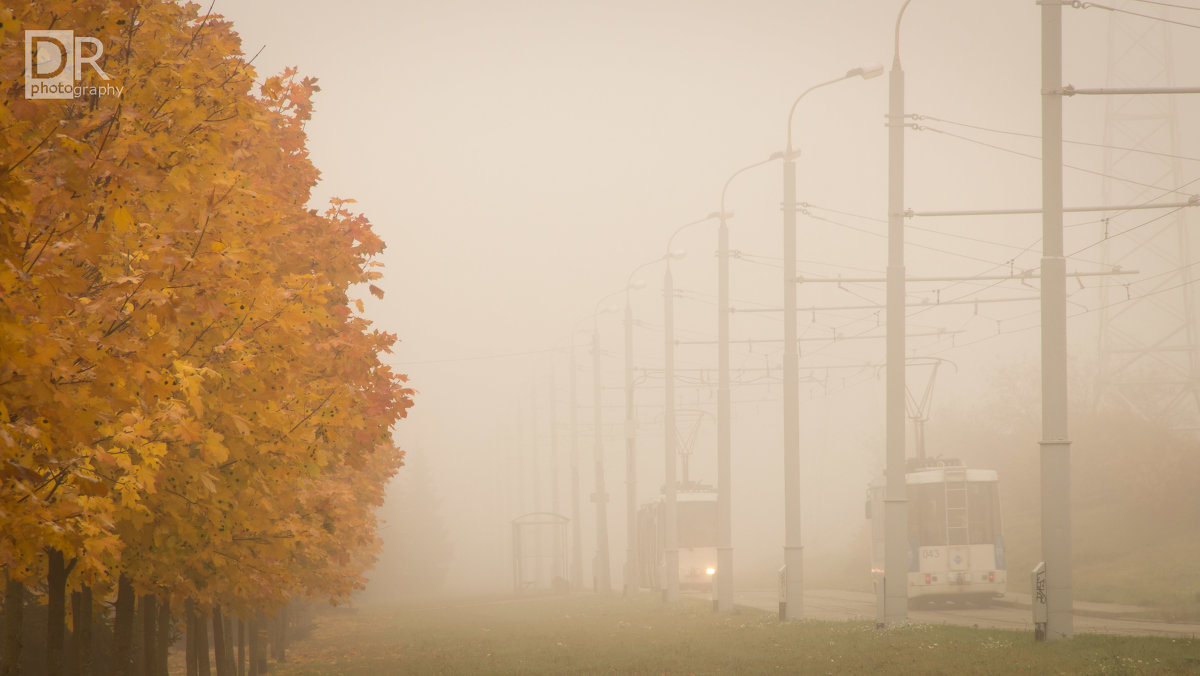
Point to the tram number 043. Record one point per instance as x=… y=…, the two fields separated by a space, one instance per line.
x=931 y=553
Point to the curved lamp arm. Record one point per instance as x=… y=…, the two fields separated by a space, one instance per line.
x=683 y=227
x=865 y=72
x=725 y=188
x=899 y=15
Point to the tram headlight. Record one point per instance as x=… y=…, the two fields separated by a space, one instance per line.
x=710 y=571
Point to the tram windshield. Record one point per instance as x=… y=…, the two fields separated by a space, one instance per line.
x=697 y=524
x=927 y=513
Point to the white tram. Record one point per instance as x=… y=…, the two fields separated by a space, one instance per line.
x=696 y=519
x=955 y=539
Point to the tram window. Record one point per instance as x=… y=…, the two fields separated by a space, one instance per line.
x=927 y=517
x=983 y=511
x=697 y=524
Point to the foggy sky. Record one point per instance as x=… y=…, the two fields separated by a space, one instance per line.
x=521 y=158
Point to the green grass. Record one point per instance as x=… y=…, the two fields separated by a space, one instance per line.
x=593 y=634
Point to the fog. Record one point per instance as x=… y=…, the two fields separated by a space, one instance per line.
x=521 y=159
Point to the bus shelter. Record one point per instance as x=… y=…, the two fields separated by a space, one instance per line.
x=539 y=546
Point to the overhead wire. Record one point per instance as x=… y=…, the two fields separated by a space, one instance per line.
x=1167 y=4
x=1118 y=10
x=478 y=357
x=993 y=146
x=1109 y=237
x=1009 y=132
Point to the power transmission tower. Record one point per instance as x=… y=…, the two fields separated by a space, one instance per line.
x=1148 y=348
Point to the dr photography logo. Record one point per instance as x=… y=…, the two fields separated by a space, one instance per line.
x=54 y=61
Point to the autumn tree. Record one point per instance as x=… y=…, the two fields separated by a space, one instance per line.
x=191 y=409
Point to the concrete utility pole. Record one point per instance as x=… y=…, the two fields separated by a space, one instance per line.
x=670 y=436
x=895 y=511
x=632 y=583
x=791 y=603
x=601 y=573
x=671 y=540
x=1055 y=444
x=1056 y=447
x=576 y=520
x=723 y=601
x=631 y=565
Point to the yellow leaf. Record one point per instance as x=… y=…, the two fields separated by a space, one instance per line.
x=122 y=221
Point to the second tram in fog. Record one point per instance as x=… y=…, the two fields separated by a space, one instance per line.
x=955 y=539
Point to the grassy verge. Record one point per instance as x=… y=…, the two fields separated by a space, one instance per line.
x=591 y=634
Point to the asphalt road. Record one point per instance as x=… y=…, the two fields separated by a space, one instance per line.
x=1010 y=613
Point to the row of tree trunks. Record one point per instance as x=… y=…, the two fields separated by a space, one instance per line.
x=278 y=629
x=223 y=644
x=240 y=648
x=259 y=639
x=246 y=660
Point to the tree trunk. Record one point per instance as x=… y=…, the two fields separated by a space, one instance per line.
x=279 y=640
x=190 y=655
x=227 y=628
x=259 y=655
x=149 y=634
x=202 y=645
x=254 y=641
x=73 y=650
x=241 y=652
x=14 y=604
x=81 y=632
x=164 y=637
x=56 y=612
x=219 y=642
x=123 y=627
x=136 y=653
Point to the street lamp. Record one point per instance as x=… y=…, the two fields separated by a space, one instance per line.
x=631 y=567
x=671 y=539
x=601 y=572
x=723 y=600
x=792 y=585
x=576 y=573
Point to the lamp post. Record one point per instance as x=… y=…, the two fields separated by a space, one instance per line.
x=671 y=534
x=631 y=566
x=601 y=571
x=723 y=598
x=791 y=600
x=895 y=501
x=576 y=514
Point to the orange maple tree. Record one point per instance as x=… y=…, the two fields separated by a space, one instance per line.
x=191 y=409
